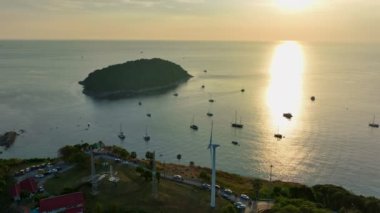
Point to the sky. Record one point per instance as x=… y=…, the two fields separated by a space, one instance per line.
x=227 y=20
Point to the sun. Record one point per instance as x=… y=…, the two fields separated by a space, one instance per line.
x=294 y=4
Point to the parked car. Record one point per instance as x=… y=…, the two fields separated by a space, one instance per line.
x=39 y=175
x=244 y=197
x=239 y=205
x=205 y=186
x=178 y=177
x=41 y=189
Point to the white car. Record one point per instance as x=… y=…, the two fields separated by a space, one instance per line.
x=244 y=197
x=178 y=177
x=39 y=175
x=239 y=205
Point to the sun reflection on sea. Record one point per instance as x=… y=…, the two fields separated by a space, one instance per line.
x=285 y=87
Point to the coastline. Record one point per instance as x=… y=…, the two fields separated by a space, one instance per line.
x=133 y=93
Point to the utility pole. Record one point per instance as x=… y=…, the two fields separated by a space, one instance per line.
x=270 y=173
x=154 y=176
x=93 y=175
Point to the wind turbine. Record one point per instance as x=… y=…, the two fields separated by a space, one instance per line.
x=212 y=148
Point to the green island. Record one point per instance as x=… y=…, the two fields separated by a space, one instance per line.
x=133 y=190
x=131 y=78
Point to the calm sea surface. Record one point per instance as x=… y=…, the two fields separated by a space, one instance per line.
x=327 y=141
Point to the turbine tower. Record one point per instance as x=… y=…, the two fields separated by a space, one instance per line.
x=154 y=176
x=212 y=148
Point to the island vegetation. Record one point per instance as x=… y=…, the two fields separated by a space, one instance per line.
x=131 y=78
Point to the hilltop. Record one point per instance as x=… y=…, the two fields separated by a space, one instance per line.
x=134 y=77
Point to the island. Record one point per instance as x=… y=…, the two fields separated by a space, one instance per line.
x=131 y=78
x=8 y=139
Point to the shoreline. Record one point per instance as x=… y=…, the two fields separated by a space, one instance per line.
x=112 y=95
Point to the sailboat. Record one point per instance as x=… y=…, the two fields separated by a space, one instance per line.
x=373 y=124
x=193 y=126
x=121 y=134
x=211 y=100
x=146 y=137
x=236 y=124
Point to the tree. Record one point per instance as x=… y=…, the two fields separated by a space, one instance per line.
x=133 y=155
x=191 y=163
x=179 y=156
x=149 y=155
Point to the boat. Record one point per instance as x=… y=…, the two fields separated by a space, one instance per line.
x=175 y=94
x=242 y=90
x=203 y=86
x=193 y=126
x=278 y=135
x=204 y=70
x=146 y=137
x=312 y=98
x=211 y=100
x=140 y=103
x=287 y=115
x=236 y=124
x=235 y=143
x=209 y=114
x=121 y=134
x=373 y=124
x=149 y=115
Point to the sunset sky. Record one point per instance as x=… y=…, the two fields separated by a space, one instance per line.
x=245 y=20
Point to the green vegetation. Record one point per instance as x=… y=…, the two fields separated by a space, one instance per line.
x=294 y=197
x=133 y=193
x=133 y=77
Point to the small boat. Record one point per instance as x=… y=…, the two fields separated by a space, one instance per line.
x=373 y=124
x=146 y=137
x=235 y=143
x=236 y=124
x=203 y=86
x=211 y=100
x=121 y=134
x=140 y=103
x=193 y=126
x=278 y=136
x=175 y=94
x=149 y=115
x=312 y=98
x=209 y=114
x=287 y=115
x=242 y=90
x=204 y=70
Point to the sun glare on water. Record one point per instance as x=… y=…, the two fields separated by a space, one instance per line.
x=293 y=5
x=285 y=88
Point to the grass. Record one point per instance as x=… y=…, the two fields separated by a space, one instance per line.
x=71 y=179
x=133 y=193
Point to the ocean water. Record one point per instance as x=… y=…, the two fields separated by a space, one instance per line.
x=327 y=141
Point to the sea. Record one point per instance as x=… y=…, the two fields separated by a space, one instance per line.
x=327 y=141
